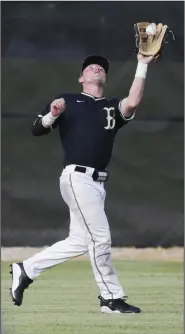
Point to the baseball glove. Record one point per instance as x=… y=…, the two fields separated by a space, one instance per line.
x=151 y=45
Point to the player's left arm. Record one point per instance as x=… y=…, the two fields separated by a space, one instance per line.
x=128 y=105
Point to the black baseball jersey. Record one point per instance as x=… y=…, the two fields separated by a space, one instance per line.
x=87 y=129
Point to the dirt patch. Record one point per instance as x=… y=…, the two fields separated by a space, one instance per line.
x=155 y=254
x=132 y=253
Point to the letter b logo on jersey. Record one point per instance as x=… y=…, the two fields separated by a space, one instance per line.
x=110 y=119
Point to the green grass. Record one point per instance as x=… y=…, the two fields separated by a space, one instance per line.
x=64 y=300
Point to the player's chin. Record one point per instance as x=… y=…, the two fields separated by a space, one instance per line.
x=100 y=81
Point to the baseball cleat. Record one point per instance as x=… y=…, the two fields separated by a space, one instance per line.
x=117 y=306
x=20 y=282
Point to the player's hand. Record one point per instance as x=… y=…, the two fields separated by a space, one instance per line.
x=57 y=107
x=144 y=59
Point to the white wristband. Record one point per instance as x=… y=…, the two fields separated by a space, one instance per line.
x=48 y=120
x=141 y=70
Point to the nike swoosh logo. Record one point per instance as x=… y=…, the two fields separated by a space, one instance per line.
x=80 y=101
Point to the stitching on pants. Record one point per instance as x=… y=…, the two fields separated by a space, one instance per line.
x=70 y=180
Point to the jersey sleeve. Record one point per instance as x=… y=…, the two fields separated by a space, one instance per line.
x=37 y=128
x=120 y=118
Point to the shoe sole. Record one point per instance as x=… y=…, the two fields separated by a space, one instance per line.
x=106 y=309
x=11 y=294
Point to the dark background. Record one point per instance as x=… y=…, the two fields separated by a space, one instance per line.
x=43 y=45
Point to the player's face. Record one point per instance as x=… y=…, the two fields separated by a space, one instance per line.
x=93 y=74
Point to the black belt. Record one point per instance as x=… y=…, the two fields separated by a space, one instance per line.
x=100 y=176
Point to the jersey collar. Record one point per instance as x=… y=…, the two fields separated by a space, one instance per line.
x=94 y=98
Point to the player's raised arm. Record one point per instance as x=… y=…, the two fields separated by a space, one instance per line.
x=130 y=103
x=149 y=40
x=44 y=121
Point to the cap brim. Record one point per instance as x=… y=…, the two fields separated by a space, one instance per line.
x=95 y=59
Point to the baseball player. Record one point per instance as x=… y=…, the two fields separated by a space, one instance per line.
x=87 y=124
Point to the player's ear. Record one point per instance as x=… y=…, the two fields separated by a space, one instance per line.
x=81 y=79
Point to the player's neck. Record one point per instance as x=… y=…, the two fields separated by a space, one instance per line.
x=94 y=90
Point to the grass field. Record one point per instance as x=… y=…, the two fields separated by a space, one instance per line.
x=64 y=300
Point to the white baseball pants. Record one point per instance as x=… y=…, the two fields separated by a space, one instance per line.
x=88 y=232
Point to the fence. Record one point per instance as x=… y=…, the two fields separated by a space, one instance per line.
x=43 y=45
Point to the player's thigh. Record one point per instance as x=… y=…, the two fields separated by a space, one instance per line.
x=85 y=199
x=77 y=229
x=89 y=203
x=79 y=192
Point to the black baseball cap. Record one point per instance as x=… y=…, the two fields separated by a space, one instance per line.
x=95 y=59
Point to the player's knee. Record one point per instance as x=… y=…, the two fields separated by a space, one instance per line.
x=103 y=238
